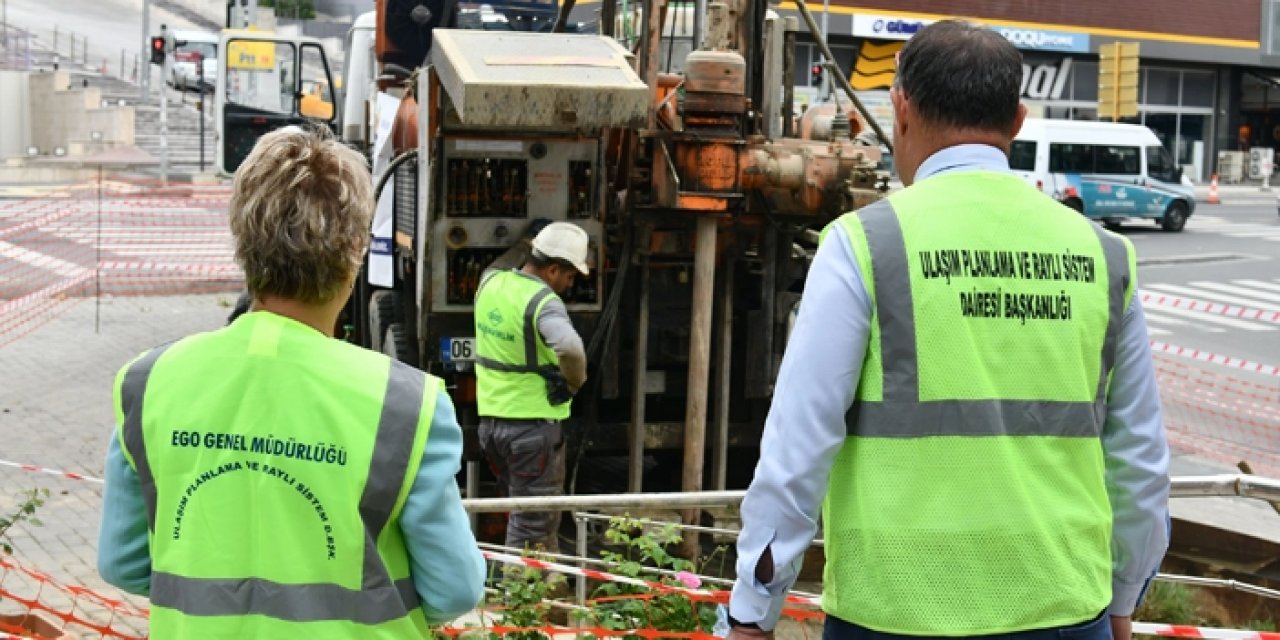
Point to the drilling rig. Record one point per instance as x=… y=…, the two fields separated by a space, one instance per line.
x=702 y=192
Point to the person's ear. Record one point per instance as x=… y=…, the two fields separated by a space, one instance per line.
x=1018 y=119
x=901 y=109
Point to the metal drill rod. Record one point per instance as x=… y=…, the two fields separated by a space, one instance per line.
x=832 y=69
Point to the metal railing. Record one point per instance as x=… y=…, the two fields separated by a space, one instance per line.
x=1227 y=485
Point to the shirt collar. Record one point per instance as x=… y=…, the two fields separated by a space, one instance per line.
x=963 y=157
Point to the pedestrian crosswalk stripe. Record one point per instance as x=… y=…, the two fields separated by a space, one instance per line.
x=1209 y=317
x=1260 y=284
x=1194 y=292
x=1156 y=318
x=1246 y=294
x=1255 y=302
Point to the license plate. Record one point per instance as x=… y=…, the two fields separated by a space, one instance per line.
x=458 y=349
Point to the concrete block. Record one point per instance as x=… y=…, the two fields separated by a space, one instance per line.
x=15 y=103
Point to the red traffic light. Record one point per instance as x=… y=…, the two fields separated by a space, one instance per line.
x=157 y=50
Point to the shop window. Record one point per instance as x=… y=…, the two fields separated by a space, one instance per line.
x=1162 y=87
x=1022 y=155
x=1084 y=81
x=1198 y=88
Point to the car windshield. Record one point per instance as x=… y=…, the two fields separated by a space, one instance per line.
x=207 y=50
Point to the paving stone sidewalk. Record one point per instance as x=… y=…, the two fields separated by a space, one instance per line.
x=55 y=412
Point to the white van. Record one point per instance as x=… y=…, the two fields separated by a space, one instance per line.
x=1107 y=171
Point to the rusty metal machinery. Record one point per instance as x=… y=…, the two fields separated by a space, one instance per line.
x=705 y=161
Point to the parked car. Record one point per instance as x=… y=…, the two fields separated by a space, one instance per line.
x=190 y=49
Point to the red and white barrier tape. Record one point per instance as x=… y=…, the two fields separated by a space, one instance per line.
x=1204 y=356
x=1150 y=628
x=1189 y=304
x=1179 y=631
x=65 y=474
x=543 y=565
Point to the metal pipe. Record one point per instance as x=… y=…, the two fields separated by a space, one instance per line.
x=724 y=378
x=654 y=11
x=1245 y=486
x=608 y=18
x=473 y=489
x=699 y=22
x=832 y=68
x=635 y=460
x=817 y=542
x=1234 y=585
x=679 y=500
x=789 y=27
x=695 y=423
x=144 y=72
x=1182 y=487
x=563 y=18
x=581 y=545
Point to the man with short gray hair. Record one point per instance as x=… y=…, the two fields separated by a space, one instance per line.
x=968 y=394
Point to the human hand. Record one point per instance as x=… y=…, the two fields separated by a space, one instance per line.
x=748 y=633
x=1121 y=628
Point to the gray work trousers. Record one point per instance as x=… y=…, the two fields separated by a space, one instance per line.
x=527 y=456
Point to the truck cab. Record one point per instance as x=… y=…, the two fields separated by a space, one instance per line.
x=262 y=85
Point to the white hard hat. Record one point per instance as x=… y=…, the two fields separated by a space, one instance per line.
x=564 y=241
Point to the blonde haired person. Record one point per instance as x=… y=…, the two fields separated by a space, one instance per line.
x=266 y=480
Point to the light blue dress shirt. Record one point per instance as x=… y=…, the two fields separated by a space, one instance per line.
x=806 y=428
x=447 y=568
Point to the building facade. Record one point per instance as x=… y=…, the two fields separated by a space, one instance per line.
x=1209 y=76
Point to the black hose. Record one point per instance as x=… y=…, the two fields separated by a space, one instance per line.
x=600 y=337
x=391 y=170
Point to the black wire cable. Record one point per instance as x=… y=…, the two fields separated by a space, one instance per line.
x=600 y=337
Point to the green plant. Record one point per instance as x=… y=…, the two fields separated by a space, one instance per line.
x=525 y=592
x=1169 y=603
x=32 y=499
x=301 y=9
x=613 y=606
x=646 y=545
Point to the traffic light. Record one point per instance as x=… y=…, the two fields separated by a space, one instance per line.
x=815 y=75
x=157 y=50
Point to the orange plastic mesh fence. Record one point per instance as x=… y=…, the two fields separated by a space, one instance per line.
x=120 y=238
x=491 y=620
x=31 y=600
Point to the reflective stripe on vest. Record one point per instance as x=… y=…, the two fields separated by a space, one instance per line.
x=902 y=414
x=379 y=599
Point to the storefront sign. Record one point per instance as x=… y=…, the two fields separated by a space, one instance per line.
x=1041 y=79
x=1046 y=81
x=1037 y=40
x=903 y=27
x=886 y=27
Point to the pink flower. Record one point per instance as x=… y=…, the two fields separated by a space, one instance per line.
x=689 y=580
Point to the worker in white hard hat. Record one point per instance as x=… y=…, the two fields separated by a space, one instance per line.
x=529 y=364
